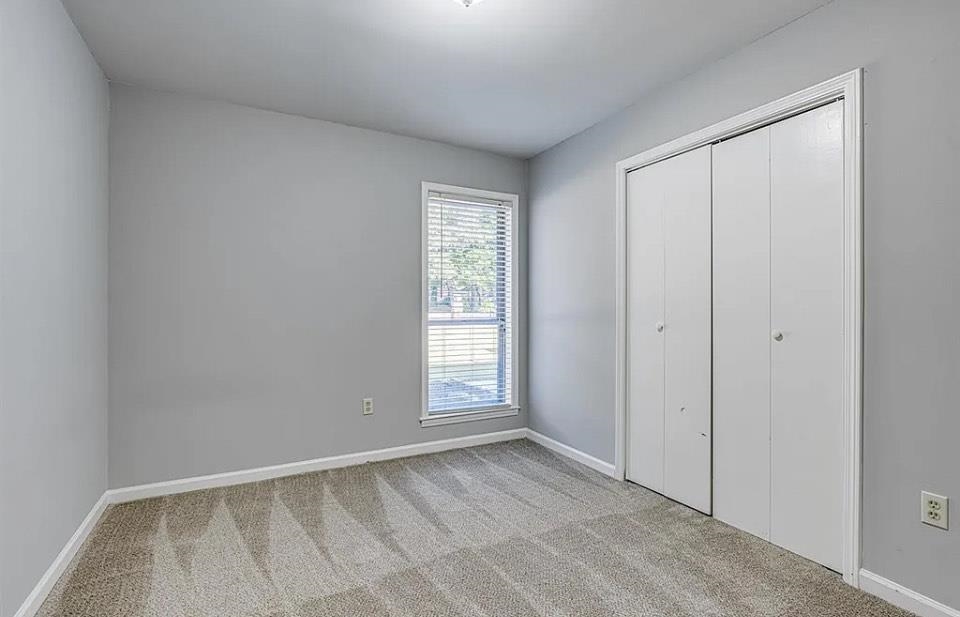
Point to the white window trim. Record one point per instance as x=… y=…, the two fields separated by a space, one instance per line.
x=466 y=415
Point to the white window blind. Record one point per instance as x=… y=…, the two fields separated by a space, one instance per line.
x=469 y=278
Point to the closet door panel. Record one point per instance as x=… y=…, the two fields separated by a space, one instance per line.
x=806 y=229
x=687 y=417
x=645 y=191
x=741 y=331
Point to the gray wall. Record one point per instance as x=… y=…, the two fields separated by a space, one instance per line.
x=911 y=53
x=53 y=289
x=264 y=277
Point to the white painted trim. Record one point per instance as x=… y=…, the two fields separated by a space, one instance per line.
x=469 y=416
x=466 y=191
x=514 y=200
x=853 y=323
x=185 y=485
x=36 y=598
x=900 y=596
x=848 y=87
x=132 y=493
x=571 y=453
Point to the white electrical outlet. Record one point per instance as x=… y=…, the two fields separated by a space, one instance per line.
x=934 y=510
x=367 y=406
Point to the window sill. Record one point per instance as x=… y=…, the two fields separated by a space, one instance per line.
x=457 y=417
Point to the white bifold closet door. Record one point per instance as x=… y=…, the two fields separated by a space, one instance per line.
x=668 y=328
x=778 y=327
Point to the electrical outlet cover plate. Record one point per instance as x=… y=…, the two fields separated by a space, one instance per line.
x=934 y=510
x=367 y=406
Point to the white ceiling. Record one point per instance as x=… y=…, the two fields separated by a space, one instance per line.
x=509 y=76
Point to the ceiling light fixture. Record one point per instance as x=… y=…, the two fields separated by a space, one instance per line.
x=468 y=3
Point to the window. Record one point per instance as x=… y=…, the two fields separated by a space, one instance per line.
x=469 y=277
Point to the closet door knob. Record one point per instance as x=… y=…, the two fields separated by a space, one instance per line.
x=659 y=326
x=777 y=335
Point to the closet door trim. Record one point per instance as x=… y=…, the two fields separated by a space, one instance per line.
x=848 y=88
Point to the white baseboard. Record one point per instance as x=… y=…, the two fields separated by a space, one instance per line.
x=172 y=487
x=157 y=489
x=572 y=453
x=33 y=602
x=900 y=596
x=871 y=583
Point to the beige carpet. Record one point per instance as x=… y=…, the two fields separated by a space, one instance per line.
x=502 y=530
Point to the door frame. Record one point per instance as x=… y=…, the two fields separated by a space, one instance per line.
x=848 y=88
